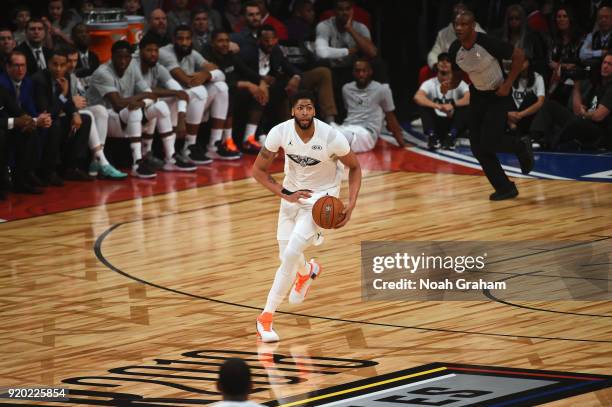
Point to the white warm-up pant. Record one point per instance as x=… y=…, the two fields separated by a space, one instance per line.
x=158 y=117
x=99 y=124
x=360 y=139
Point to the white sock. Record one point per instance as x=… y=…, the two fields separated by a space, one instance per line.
x=215 y=135
x=250 y=129
x=99 y=154
x=147 y=144
x=227 y=133
x=169 y=146
x=136 y=147
x=190 y=140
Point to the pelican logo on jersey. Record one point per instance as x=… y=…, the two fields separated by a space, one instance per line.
x=302 y=160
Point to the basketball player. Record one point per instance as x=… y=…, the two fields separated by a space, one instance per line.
x=314 y=154
x=480 y=56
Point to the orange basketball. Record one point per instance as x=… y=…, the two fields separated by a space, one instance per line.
x=327 y=212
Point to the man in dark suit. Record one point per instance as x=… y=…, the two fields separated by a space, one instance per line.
x=68 y=135
x=88 y=60
x=283 y=77
x=37 y=55
x=18 y=126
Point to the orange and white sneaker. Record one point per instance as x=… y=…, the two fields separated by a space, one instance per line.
x=231 y=146
x=251 y=145
x=264 y=328
x=303 y=282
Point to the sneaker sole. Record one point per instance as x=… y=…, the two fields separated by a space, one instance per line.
x=179 y=169
x=216 y=156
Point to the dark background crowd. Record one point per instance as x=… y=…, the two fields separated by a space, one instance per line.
x=565 y=42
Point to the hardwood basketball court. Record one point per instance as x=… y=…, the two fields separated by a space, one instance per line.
x=146 y=296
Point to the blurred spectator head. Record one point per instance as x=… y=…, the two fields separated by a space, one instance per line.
x=604 y=18
x=233 y=7
x=35 y=32
x=16 y=66
x=132 y=7
x=252 y=14
x=55 y=9
x=530 y=5
x=72 y=59
x=7 y=43
x=267 y=38
x=149 y=50
x=304 y=10
x=515 y=20
x=443 y=66
x=343 y=10
x=121 y=56
x=564 y=22
x=199 y=20
x=181 y=4
x=262 y=7
x=458 y=9
x=57 y=63
x=465 y=25
x=606 y=67
x=234 y=380
x=362 y=72
x=158 y=22
x=21 y=16
x=220 y=41
x=85 y=7
x=183 y=41
x=80 y=36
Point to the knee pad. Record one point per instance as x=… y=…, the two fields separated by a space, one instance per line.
x=221 y=86
x=199 y=91
x=130 y=115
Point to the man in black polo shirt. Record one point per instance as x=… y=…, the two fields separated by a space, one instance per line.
x=480 y=56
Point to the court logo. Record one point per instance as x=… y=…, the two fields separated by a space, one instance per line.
x=444 y=384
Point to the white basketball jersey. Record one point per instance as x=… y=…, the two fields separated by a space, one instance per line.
x=313 y=165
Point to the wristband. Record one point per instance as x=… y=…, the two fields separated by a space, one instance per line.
x=181 y=106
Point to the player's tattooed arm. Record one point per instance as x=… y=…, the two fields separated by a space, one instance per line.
x=261 y=171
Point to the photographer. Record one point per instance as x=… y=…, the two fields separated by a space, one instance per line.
x=590 y=123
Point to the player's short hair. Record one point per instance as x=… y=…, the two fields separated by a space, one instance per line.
x=266 y=27
x=365 y=60
x=444 y=56
x=234 y=377
x=148 y=39
x=34 y=20
x=336 y=2
x=75 y=28
x=467 y=13
x=303 y=94
x=182 y=27
x=9 y=58
x=119 y=45
x=250 y=3
x=61 y=51
x=199 y=10
x=217 y=32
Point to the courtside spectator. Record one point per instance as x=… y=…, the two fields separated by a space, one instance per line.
x=21 y=88
x=528 y=93
x=444 y=116
x=598 y=42
x=33 y=47
x=7 y=45
x=200 y=26
x=21 y=16
x=179 y=15
x=589 y=125
x=368 y=103
x=158 y=27
x=59 y=22
x=67 y=138
x=563 y=56
x=88 y=59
